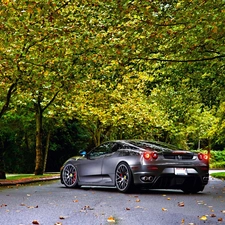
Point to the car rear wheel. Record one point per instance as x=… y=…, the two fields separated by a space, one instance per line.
x=123 y=177
x=193 y=190
x=70 y=176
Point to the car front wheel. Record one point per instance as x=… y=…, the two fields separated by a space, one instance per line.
x=70 y=176
x=123 y=177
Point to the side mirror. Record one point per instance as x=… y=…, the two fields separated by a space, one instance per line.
x=83 y=153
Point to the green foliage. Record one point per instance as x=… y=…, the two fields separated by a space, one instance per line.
x=218 y=155
x=123 y=69
x=66 y=141
x=217 y=159
x=219 y=175
x=28 y=176
x=217 y=165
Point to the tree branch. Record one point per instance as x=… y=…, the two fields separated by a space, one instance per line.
x=63 y=5
x=11 y=90
x=51 y=101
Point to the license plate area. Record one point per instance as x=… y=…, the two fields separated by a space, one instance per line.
x=181 y=171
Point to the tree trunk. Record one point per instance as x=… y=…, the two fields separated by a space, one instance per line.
x=39 y=133
x=39 y=164
x=199 y=143
x=4 y=108
x=46 y=150
x=2 y=171
x=209 y=146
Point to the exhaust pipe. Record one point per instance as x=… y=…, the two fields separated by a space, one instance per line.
x=205 y=179
x=147 y=178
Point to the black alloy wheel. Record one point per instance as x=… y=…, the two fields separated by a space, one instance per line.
x=123 y=177
x=70 y=176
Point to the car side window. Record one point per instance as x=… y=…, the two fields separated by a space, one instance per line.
x=115 y=147
x=101 y=150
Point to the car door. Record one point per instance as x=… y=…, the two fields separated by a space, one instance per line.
x=90 y=171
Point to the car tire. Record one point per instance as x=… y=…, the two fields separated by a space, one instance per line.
x=194 y=190
x=123 y=177
x=70 y=176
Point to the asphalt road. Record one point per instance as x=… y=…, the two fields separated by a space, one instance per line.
x=50 y=203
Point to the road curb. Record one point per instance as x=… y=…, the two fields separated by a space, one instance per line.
x=27 y=181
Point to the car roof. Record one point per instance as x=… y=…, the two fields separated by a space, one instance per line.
x=143 y=144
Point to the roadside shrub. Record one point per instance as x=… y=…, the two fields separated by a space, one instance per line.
x=217 y=159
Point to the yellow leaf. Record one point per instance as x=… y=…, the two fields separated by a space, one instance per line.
x=163 y=209
x=133 y=47
x=204 y=218
x=215 y=29
x=111 y=220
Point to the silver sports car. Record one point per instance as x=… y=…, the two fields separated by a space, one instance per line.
x=125 y=164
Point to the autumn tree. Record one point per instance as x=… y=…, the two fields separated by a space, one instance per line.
x=35 y=40
x=107 y=62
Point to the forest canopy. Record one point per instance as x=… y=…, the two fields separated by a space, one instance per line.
x=94 y=70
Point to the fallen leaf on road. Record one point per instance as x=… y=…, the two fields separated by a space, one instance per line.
x=127 y=208
x=35 y=222
x=181 y=204
x=61 y=217
x=32 y=207
x=75 y=200
x=163 y=209
x=138 y=207
x=213 y=215
x=223 y=211
x=111 y=220
x=220 y=219
x=3 y=205
x=138 y=200
x=86 y=207
x=200 y=202
x=204 y=218
x=58 y=223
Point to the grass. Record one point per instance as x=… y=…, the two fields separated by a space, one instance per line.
x=29 y=176
x=219 y=175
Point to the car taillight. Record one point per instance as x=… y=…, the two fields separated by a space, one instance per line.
x=154 y=155
x=202 y=156
x=149 y=155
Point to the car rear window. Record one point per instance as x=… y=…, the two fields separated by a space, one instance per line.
x=158 y=146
